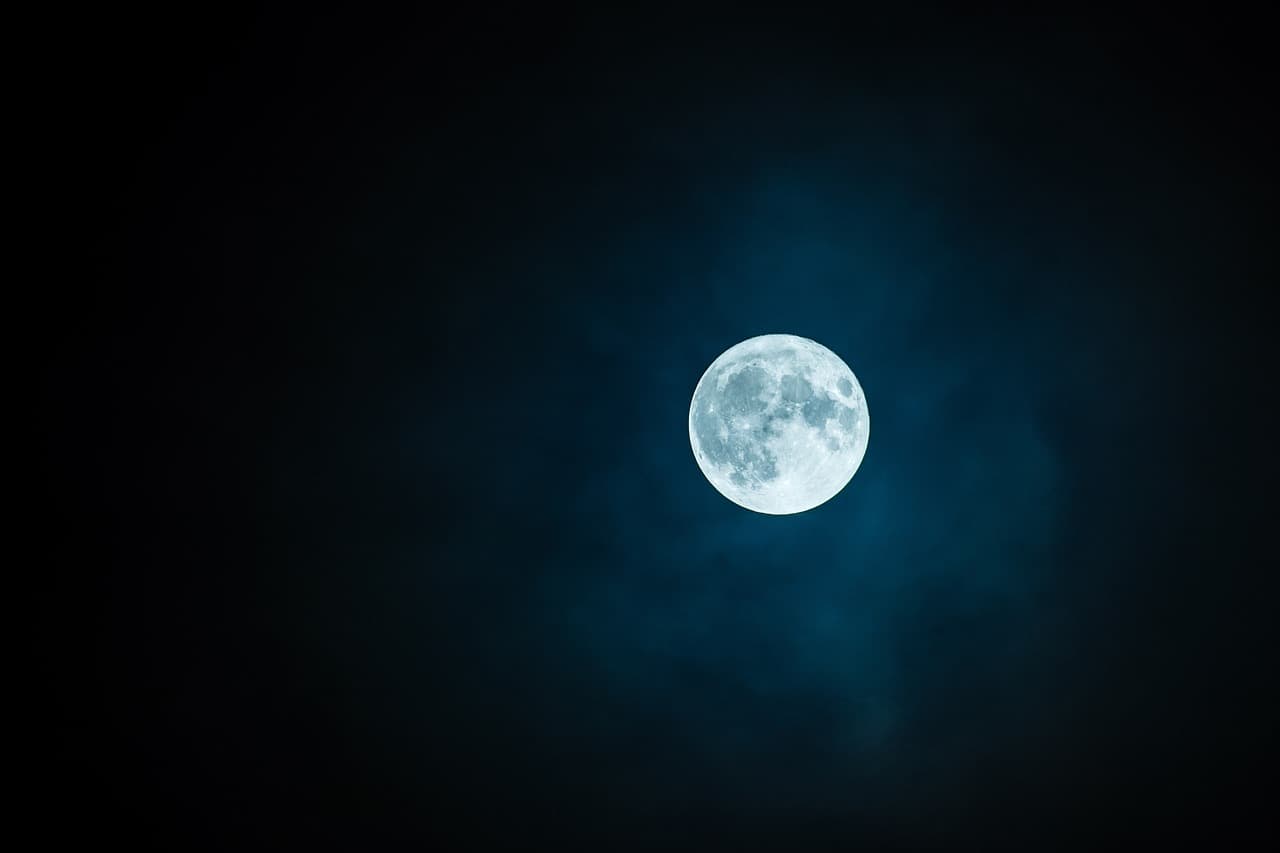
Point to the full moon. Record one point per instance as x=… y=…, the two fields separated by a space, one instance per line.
x=778 y=424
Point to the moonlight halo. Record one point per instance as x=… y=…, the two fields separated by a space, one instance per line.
x=778 y=424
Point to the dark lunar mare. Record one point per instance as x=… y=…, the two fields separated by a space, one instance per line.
x=747 y=392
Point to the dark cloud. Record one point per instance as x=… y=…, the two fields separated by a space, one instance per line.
x=400 y=531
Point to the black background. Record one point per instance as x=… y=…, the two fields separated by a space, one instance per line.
x=374 y=521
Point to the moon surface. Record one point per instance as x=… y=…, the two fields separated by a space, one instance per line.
x=778 y=424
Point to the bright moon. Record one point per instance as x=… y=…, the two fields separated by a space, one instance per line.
x=778 y=424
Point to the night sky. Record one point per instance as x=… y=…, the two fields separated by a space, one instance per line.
x=375 y=520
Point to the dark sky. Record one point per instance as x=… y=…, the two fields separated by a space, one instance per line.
x=376 y=521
